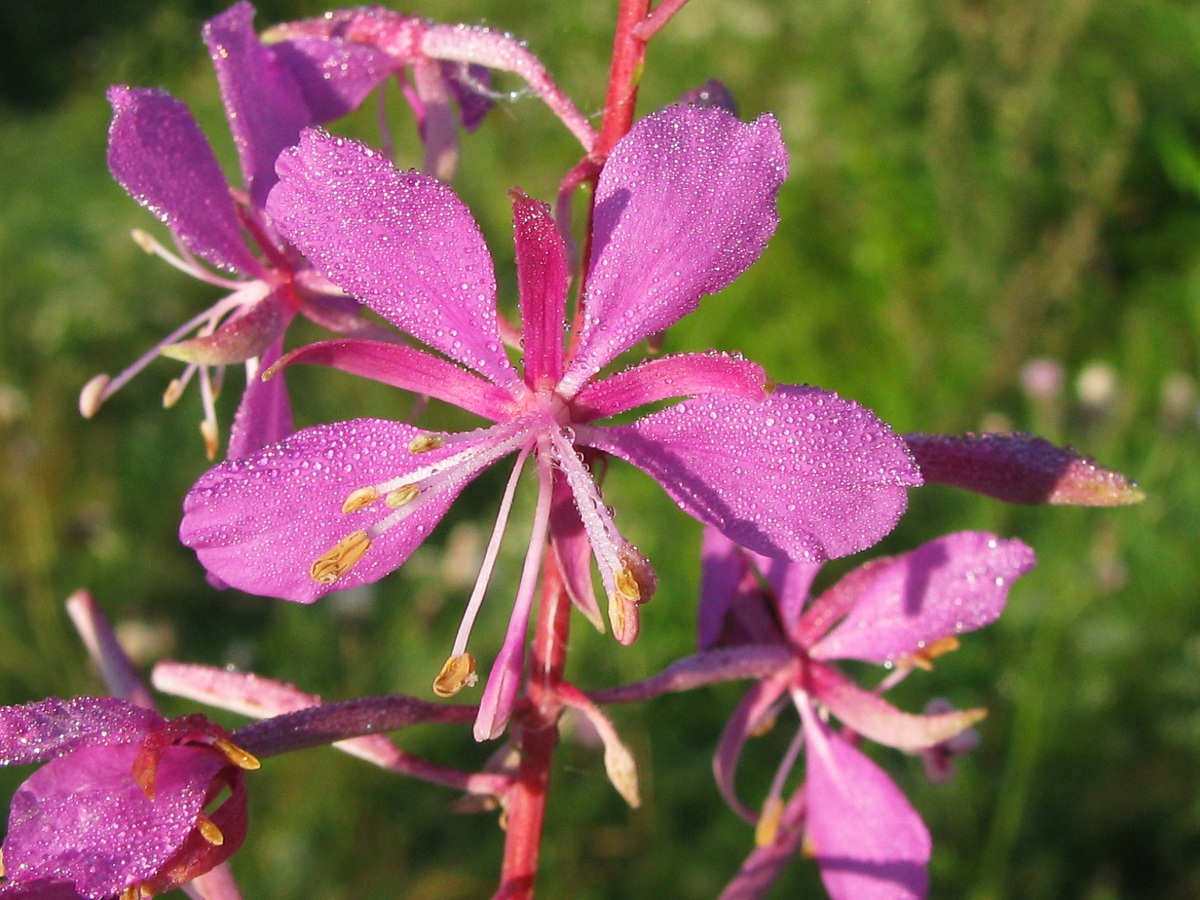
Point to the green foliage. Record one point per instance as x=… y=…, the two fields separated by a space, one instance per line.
x=975 y=184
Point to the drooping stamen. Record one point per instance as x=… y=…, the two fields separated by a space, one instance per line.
x=458 y=672
x=93 y=394
x=360 y=499
x=423 y=443
x=768 y=823
x=209 y=831
x=489 y=557
x=187 y=266
x=333 y=564
x=504 y=680
x=175 y=390
x=627 y=576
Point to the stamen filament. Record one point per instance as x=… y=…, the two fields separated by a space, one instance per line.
x=768 y=822
x=489 y=557
x=188 y=266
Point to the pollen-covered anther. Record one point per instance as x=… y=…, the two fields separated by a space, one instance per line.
x=172 y=394
x=237 y=755
x=360 y=499
x=457 y=673
x=770 y=385
x=923 y=658
x=402 y=496
x=92 y=395
x=209 y=831
x=212 y=440
x=767 y=828
x=335 y=563
x=635 y=581
x=423 y=443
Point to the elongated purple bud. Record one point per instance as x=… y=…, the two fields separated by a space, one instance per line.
x=1020 y=468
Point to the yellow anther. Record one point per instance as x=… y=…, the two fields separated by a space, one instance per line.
x=360 y=499
x=92 y=395
x=456 y=674
x=208 y=431
x=1 y=863
x=627 y=585
x=923 y=658
x=402 y=496
x=423 y=443
x=237 y=755
x=770 y=385
x=172 y=394
x=763 y=727
x=335 y=563
x=767 y=828
x=209 y=831
x=143 y=240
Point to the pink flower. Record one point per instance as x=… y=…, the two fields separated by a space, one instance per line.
x=900 y=612
x=684 y=205
x=120 y=803
x=158 y=153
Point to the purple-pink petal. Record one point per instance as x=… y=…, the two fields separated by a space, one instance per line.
x=943 y=588
x=684 y=205
x=264 y=104
x=84 y=817
x=873 y=717
x=158 y=153
x=682 y=375
x=401 y=242
x=264 y=414
x=542 y=279
x=260 y=522
x=868 y=840
x=471 y=87
x=409 y=369
x=803 y=474
x=573 y=552
x=49 y=728
x=334 y=75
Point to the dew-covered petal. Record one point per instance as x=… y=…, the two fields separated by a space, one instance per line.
x=1020 y=468
x=873 y=717
x=803 y=474
x=682 y=375
x=868 y=840
x=263 y=102
x=334 y=75
x=260 y=523
x=84 y=817
x=943 y=588
x=684 y=204
x=401 y=242
x=51 y=727
x=39 y=889
x=264 y=415
x=542 y=278
x=409 y=369
x=158 y=153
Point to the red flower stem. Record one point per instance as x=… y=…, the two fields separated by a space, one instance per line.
x=535 y=733
x=628 y=58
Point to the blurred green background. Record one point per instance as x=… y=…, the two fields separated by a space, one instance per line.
x=976 y=185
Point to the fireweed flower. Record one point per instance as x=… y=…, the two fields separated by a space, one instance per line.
x=160 y=156
x=684 y=205
x=121 y=805
x=900 y=612
x=450 y=65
